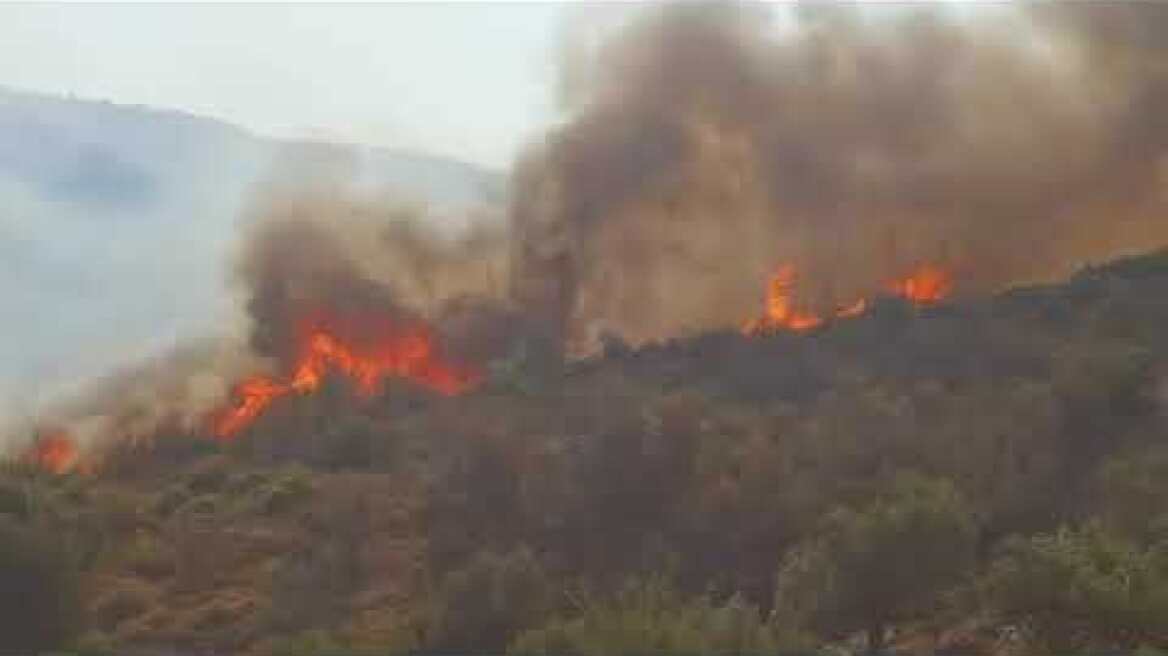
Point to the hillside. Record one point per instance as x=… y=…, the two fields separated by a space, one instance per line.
x=117 y=223
x=945 y=471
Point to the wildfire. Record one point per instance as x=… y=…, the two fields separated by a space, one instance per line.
x=928 y=284
x=55 y=453
x=925 y=285
x=392 y=352
x=780 y=311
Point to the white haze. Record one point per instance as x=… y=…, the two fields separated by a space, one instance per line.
x=117 y=227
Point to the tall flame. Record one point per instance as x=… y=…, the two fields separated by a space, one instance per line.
x=925 y=285
x=780 y=311
x=393 y=352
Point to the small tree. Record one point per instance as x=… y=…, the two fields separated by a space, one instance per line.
x=870 y=567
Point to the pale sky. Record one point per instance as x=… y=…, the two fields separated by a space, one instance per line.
x=469 y=80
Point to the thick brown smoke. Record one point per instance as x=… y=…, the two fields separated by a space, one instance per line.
x=707 y=144
x=713 y=142
x=331 y=252
x=311 y=248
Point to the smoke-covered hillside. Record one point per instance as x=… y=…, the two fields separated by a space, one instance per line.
x=116 y=221
x=950 y=471
x=792 y=334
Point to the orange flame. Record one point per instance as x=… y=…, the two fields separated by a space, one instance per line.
x=926 y=285
x=780 y=312
x=55 y=453
x=252 y=396
x=392 y=352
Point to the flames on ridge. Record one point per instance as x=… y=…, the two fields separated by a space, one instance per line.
x=370 y=347
x=925 y=285
x=54 y=452
x=928 y=284
x=780 y=310
x=365 y=350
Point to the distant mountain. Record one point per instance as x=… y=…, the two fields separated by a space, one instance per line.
x=126 y=156
x=116 y=222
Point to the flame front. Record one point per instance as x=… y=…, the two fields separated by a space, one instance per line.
x=252 y=397
x=394 y=353
x=927 y=284
x=55 y=453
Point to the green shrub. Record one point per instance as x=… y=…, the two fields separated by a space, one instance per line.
x=118 y=511
x=203 y=504
x=210 y=475
x=1080 y=588
x=149 y=558
x=244 y=482
x=305 y=643
x=280 y=492
x=652 y=617
x=323 y=643
x=40 y=600
x=883 y=563
x=287 y=490
x=312 y=587
x=13 y=500
x=170 y=500
x=1134 y=490
x=483 y=605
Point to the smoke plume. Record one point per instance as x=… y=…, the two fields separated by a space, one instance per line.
x=353 y=260
x=704 y=146
x=709 y=143
x=361 y=262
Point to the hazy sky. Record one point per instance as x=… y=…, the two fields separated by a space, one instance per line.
x=469 y=80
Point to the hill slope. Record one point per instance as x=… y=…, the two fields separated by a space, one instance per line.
x=1028 y=433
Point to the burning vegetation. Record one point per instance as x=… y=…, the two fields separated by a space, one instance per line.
x=927 y=285
x=367 y=350
x=569 y=393
x=54 y=452
x=879 y=154
x=708 y=144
